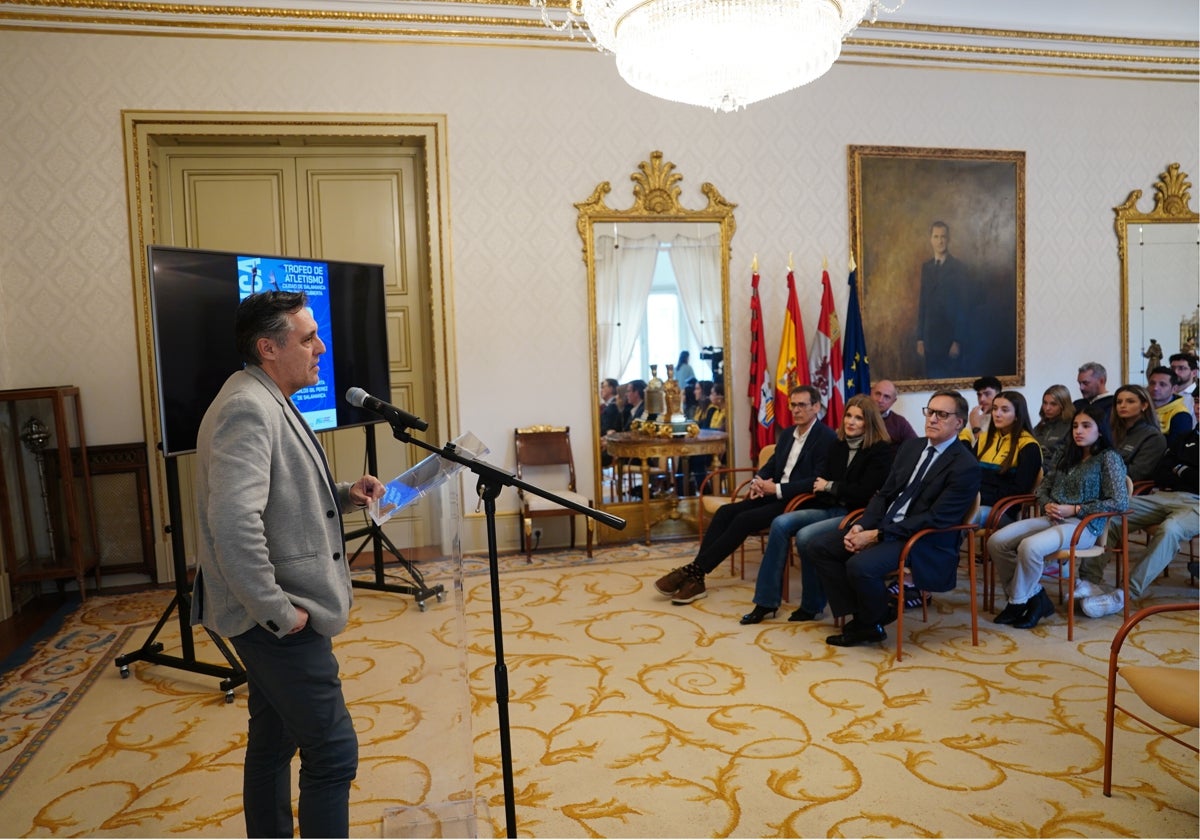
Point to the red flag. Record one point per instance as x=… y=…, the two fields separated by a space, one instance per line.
x=826 y=356
x=761 y=392
x=792 y=368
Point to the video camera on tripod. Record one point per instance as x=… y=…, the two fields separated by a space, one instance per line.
x=715 y=356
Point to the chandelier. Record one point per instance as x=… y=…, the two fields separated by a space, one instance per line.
x=722 y=54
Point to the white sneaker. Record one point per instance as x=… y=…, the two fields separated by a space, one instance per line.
x=1087 y=589
x=1098 y=606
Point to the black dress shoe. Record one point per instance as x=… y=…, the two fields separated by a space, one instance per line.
x=1040 y=606
x=1011 y=613
x=860 y=635
x=801 y=614
x=757 y=614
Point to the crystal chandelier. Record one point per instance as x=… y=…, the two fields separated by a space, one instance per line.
x=722 y=54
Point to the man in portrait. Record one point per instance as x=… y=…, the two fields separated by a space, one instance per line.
x=942 y=308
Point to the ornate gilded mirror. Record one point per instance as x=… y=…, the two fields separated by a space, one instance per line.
x=1160 y=275
x=658 y=283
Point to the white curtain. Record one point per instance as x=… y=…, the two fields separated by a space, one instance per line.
x=624 y=273
x=697 y=265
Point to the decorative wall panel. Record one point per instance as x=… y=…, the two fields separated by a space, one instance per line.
x=531 y=132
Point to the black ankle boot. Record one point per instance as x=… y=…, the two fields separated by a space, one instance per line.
x=757 y=614
x=1011 y=613
x=1040 y=606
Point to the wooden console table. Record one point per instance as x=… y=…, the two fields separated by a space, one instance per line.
x=645 y=448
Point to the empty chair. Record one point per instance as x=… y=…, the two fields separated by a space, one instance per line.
x=544 y=448
x=1172 y=692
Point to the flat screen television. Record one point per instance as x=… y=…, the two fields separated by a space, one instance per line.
x=193 y=297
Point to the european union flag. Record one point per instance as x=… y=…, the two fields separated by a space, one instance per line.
x=856 y=368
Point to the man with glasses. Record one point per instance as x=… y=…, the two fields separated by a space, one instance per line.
x=798 y=460
x=932 y=484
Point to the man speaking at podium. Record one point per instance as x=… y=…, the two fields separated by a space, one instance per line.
x=273 y=575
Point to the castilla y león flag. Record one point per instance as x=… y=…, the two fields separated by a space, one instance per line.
x=825 y=356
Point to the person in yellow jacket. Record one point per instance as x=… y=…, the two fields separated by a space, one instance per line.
x=1009 y=455
x=1174 y=418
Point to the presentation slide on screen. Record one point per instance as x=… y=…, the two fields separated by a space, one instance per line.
x=318 y=403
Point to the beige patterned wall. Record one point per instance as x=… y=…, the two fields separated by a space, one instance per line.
x=531 y=132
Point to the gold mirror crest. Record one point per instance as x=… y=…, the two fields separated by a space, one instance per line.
x=1172 y=200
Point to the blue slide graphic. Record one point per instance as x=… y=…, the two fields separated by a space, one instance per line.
x=318 y=403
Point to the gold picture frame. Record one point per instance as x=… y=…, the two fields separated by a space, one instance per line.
x=897 y=194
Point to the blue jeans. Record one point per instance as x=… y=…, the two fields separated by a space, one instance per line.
x=295 y=703
x=804 y=523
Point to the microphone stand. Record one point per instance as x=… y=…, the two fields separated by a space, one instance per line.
x=491 y=481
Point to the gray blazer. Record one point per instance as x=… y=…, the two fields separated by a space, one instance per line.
x=270 y=526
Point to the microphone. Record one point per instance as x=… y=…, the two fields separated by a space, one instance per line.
x=361 y=399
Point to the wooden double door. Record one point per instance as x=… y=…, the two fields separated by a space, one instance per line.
x=358 y=204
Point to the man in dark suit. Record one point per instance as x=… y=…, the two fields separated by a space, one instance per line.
x=942 y=321
x=635 y=403
x=610 y=415
x=798 y=459
x=932 y=484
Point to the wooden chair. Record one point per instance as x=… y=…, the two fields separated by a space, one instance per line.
x=715 y=490
x=548 y=447
x=968 y=525
x=1070 y=554
x=1172 y=692
x=1024 y=505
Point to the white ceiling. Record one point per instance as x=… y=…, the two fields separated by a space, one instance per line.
x=1143 y=39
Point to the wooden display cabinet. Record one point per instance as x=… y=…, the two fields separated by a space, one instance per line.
x=47 y=514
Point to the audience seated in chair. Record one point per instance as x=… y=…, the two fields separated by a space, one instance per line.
x=1089 y=479
x=1173 y=413
x=1092 y=380
x=1054 y=425
x=856 y=467
x=610 y=415
x=1135 y=432
x=798 y=459
x=1172 y=510
x=1009 y=456
x=898 y=428
x=635 y=403
x=1185 y=367
x=980 y=418
x=933 y=483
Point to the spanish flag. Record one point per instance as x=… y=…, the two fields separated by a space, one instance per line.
x=792 y=368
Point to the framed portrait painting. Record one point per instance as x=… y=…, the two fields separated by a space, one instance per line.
x=939 y=238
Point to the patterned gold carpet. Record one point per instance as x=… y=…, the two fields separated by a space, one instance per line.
x=629 y=718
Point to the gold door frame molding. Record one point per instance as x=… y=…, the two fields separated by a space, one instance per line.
x=144 y=130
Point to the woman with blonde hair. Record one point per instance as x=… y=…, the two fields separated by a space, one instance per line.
x=857 y=465
x=1054 y=423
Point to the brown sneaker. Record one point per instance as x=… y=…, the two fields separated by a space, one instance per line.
x=669 y=584
x=692 y=590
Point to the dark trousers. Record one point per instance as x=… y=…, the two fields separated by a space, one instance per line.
x=730 y=526
x=295 y=703
x=854 y=583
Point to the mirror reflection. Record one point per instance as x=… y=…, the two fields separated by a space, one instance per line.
x=1160 y=276
x=658 y=276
